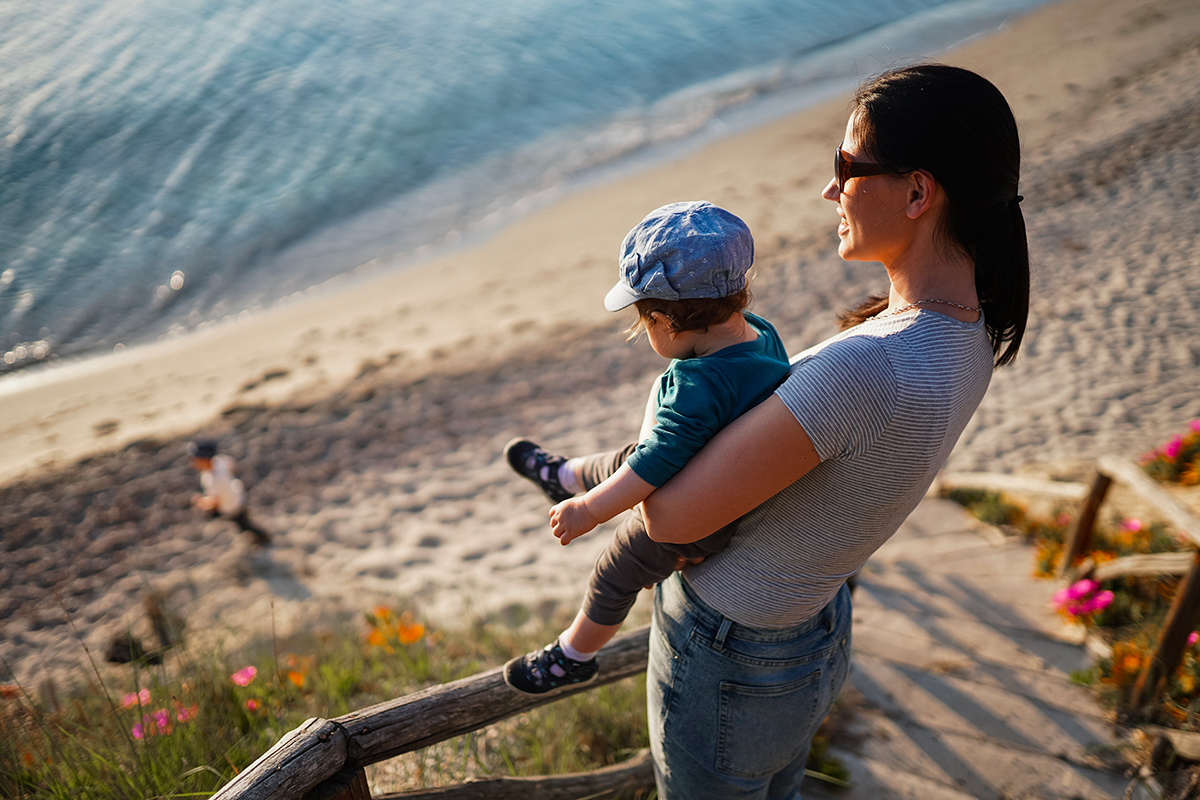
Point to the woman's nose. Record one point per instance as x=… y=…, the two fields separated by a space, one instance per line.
x=831 y=191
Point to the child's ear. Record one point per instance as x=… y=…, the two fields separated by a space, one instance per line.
x=659 y=318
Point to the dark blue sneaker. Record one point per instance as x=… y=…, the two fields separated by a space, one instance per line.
x=548 y=669
x=535 y=464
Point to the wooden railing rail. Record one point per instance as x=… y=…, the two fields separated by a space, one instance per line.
x=1000 y=482
x=299 y=763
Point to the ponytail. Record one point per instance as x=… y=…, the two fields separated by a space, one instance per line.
x=1002 y=281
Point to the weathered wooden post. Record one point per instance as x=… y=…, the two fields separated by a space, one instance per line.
x=1181 y=621
x=1080 y=535
x=350 y=783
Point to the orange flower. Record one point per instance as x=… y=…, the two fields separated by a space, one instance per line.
x=409 y=634
x=1177 y=713
x=1190 y=475
x=375 y=637
x=8 y=691
x=297 y=678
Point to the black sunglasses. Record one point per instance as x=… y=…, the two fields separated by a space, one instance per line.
x=844 y=169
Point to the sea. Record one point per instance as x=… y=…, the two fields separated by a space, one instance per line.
x=167 y=165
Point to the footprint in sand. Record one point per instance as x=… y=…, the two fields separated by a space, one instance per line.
x=105 y=427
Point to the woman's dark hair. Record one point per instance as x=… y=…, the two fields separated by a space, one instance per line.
x=690 y=314
x=957 y=126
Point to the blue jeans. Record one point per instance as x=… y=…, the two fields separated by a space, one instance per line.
x=733 y=709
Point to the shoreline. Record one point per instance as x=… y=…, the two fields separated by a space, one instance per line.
x=204 y=386
x=369 y=424
x=468 y=203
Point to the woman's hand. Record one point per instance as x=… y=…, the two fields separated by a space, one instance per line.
x=752 y=459
x=571 y=519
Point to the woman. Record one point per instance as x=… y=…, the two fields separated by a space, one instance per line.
x=750 y=648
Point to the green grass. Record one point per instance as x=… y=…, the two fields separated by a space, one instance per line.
x=88 y=745
x=1083 y=677
x=989 y=507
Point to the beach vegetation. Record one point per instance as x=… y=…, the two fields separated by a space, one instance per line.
x=1177 y=460
x=1127 y=613
x=187 y=725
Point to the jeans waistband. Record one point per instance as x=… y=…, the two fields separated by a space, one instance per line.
x=722 y=627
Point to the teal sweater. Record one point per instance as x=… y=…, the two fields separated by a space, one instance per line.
x=699 y=396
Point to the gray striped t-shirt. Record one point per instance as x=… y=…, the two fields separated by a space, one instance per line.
x=883 y=404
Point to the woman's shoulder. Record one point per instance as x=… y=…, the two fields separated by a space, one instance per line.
x=903 y=335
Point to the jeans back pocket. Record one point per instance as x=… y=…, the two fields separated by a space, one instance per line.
x=765 y=728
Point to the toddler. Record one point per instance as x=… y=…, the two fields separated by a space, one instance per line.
x=684 y=268
x=224 y=495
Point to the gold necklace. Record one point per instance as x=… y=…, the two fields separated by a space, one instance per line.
x=916 y=303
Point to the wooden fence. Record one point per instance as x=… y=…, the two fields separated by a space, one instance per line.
x=324 y=759
x=1184 y=613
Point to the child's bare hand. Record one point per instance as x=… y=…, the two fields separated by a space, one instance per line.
x=571 y=519
x=203 y=502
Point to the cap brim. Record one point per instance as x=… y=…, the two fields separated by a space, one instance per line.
x=620 y=296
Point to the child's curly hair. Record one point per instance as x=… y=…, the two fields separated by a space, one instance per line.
x=690 y=314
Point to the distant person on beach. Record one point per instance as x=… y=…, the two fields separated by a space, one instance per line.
x=224 y=495
x=684 y=268
x=749 y=648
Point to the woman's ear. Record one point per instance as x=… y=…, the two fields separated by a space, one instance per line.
x=923 y=191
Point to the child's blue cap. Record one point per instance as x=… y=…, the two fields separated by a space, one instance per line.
x=682 y=251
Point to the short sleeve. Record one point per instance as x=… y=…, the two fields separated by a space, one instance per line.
x=843 y=395
x=695 y=402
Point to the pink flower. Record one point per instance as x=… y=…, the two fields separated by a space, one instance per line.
x=243 y=676
x=156 y=722
x=1081 y=589
x=186 y=713
x=1194 y=426
x=1063 y=519
x=253 y=705
x=141 y=698
x=1193 y=637
x=1080 y=599
x=1172 y=448
x=1132 y=525
x=1100 y=602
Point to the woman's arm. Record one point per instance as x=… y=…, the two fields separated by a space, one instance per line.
x=752 y=459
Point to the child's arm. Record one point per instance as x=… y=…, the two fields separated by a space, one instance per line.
x=572 y=518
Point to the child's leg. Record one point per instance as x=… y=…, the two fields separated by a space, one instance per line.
x=584 y=638
x=259 y=536
x=560 y=477
x=633 y=561
x=591 y=471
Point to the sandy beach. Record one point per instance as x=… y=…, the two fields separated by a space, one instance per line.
x=368 y=419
